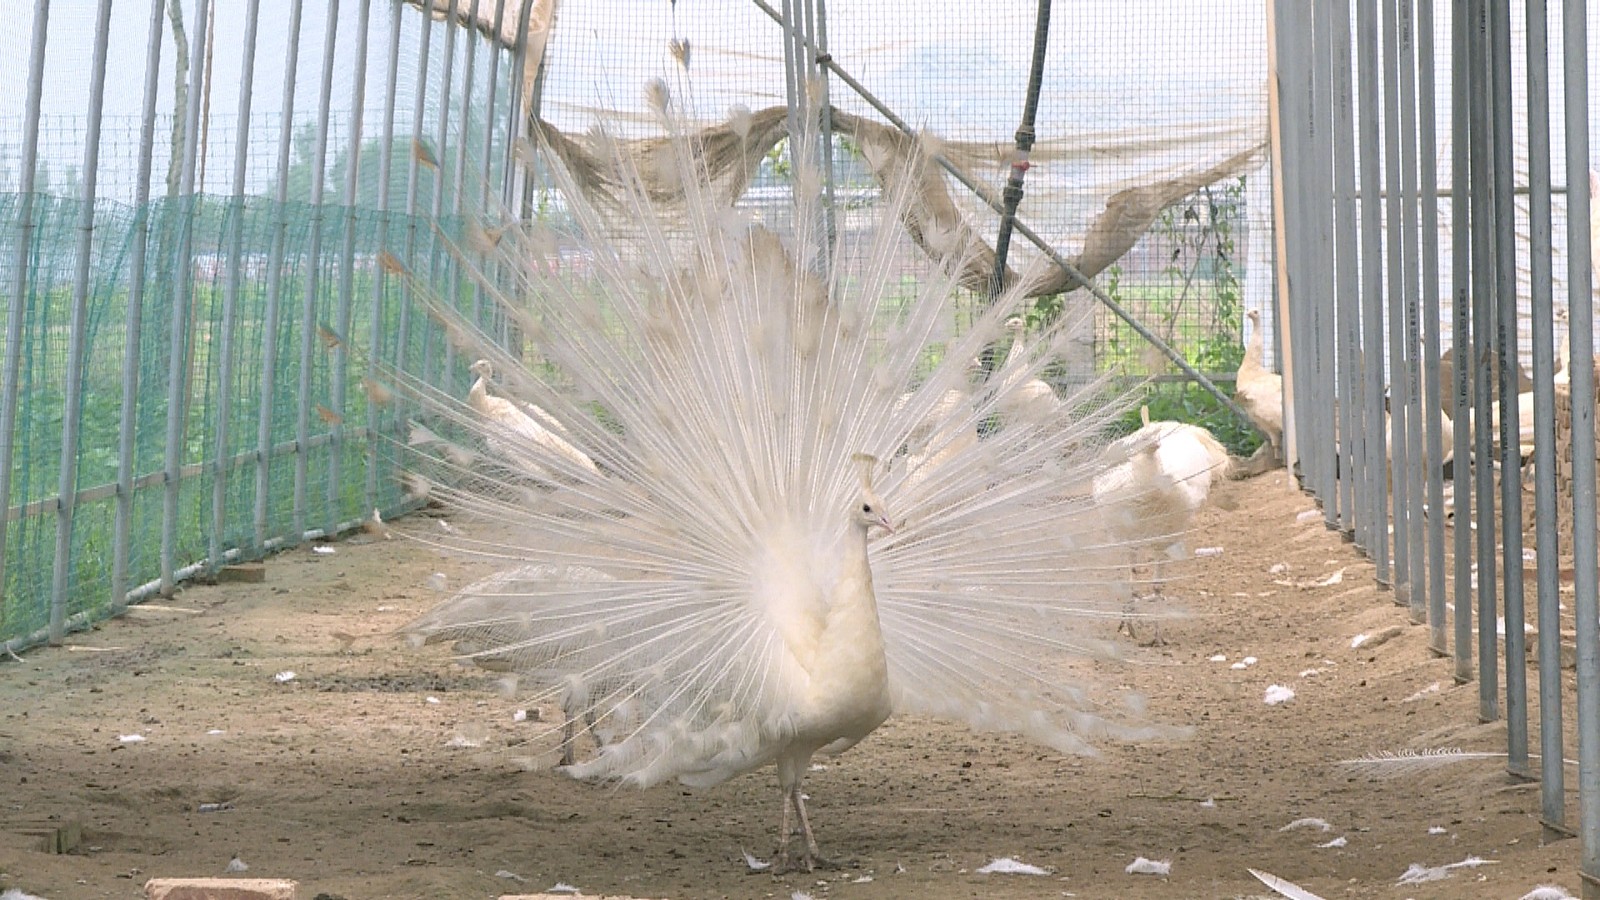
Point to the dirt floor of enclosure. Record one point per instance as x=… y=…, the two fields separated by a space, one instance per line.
x=383 y=771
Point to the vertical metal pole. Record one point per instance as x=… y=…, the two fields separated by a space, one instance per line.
x=413 y=188
x=1575 y=66
x=1377 y=517
x=1432 y=402
x=1411 y=478
x=230 y=296
x=385 y=167
x=1551 y=745
x=1483 y=323
x=1291 y=71
x=1505 y=222
x=1320 y=131
x=1347 y=274
x=77 y=335
x=439 y=269
x=793 y=81
x=347 y=256
x=275 y=265
x=19 y=274
x=308 y=307
x=1462 y=81
x=177 y=365
x=487 y=321
x=1398 y=297
x=134 y=322
x=521 y=123
x=1012 y=194
x=820 y=33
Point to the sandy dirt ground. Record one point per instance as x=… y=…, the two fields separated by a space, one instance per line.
x=380 y=770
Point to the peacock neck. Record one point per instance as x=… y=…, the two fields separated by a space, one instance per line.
x=479 y=392
x=855 y=592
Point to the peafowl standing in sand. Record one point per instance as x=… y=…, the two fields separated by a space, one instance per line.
x=773 y=584
x=1156 y=480
x=1260 y=391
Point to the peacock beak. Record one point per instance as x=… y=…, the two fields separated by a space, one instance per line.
x=883 y=522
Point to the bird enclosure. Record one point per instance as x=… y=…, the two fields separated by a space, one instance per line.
x=253 y=251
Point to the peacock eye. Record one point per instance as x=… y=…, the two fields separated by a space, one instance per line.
x=866 y=508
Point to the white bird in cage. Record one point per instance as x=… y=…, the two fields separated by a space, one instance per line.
x=513 y=429
x=1158 y=478
x=1259 y=390
x=1030 y=398
x=758 y=603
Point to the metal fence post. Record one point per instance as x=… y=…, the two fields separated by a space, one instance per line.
x=129 y=417
x=341 y=352
x=308 y=306
x=177 y=365
x=19 y=276
x=1575 y=65
x=275 y=265
x=230 y=297
x=72 y=411
x=379 y=280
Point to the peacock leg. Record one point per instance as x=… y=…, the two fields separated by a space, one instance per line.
x=812 y=855
x=1155 y=594
x=780 y=861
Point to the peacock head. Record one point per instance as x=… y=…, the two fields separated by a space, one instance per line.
x=482 y=368
x=870 y=509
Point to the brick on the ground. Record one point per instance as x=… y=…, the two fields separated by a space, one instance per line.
x=219 y=889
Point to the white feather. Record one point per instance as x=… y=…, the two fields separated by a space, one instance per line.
x=1286 y=888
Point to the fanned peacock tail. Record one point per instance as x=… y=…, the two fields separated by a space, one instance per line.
x=722 y=380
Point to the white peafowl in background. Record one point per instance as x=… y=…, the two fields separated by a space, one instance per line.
x=1031 y=397
x=1260 y=391
x=1157 y=478
x=745 y=598
x=513 y=429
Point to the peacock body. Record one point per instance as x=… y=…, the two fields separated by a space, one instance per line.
x=727 y=589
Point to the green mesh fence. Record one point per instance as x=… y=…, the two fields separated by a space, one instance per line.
x=241 y=348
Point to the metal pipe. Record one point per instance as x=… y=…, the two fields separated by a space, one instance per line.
x=1483 y=320
x=347 y=255
x=1321 y=448
x=1462 y=79
x=1505 y=221
x=77 y=337
x=385 y=166
x=308 y=306
x=1372 y=295
x=178 y=363
x=1575 y=66
x=1412 y=473
x=133 y=324
x=489 y=121
x=413 y=188
x=438 y=261
x=230 y=296
x=1432 y=389
x=982 y=192
x=1012 y=195
x=275 y=266
x=1347 y=276
x=825 y=115
x=1541 y=301
x=1398 y=295
x=19 y=274
x=1293 y=301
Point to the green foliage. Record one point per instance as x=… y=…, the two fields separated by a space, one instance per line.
x=1195 y=304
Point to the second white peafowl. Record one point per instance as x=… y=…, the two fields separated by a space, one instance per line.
x=1157 y=478
x=756 y=603
x=1260 y=391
